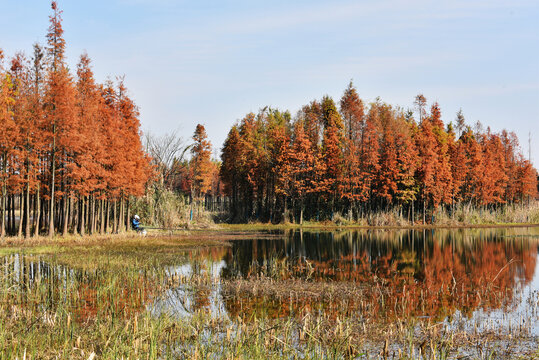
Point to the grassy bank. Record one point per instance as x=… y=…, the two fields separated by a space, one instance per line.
x=314 y=226
x=462 y=216
x=77 y=249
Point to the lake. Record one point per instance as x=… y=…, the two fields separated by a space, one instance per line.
x=399 y=292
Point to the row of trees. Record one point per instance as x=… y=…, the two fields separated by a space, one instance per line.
x=360 y=159
x=70 y=148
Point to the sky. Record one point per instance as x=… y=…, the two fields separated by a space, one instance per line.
x=212 y=62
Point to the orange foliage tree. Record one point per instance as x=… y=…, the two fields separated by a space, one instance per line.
x=201 y=166
x=70 y=150
x=358 y=160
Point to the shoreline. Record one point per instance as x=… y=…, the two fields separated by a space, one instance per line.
x=220 y=235
x=321 y=226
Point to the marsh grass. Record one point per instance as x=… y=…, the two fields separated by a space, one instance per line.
x=462 y=215
x=56 y=312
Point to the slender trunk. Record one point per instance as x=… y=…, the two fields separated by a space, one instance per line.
x=128 y=215
x=53 y=179
x=76 y=214
x=82 y=230
x=114 y=218
x=293 y=211
x=39 y=206
x=94 y=215
x=70 y=214
x=285 y=211
x=27 y=210
x=88 y=219
x=91 y=214
x=423 y=211
x=121 y=216
x=413 y=213
x=108 y=217
x=101 y=215
x=65 y=209
x=19 y=230
x=95 y=211
x=12 y=221
x=3 y=205
x=453 y=208
x=8 y=213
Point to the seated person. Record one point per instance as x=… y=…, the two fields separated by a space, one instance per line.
x=135 y=224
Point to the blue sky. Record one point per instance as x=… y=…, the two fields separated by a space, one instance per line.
x=211 y=62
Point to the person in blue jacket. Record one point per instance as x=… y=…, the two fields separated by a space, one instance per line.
x=135 y=224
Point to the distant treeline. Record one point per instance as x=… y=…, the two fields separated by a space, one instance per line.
x=360 y=159
x=70 y=149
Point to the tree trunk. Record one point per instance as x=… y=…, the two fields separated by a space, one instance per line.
x=114 y=218
x=285 y=210
x=121 y=216
x=95 y=215
x=51 y=206
x=82 y=217
x=423 y=211
x=91 y=210
x=107 y=226
x=37 y=211
x=127 y=216
x=27 y=211
x=3 y=209
x=65 y=217
x=71 y=214
x=12 y=221
x=87 y=219
x=19 y=231
x=101 y=215
x=413 y=213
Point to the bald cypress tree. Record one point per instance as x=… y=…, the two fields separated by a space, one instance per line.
x=200 y=163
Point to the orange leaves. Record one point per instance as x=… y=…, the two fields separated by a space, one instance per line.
x=302 y=165
x=63 y=139
x=283 y=155
x=526 y=179
x=325 y=160
x=55 y=38
x=354 y=128
x=201 y=165
x=87 y=133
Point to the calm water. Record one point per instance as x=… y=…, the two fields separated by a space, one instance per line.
x=483 y=279
x=475 y=280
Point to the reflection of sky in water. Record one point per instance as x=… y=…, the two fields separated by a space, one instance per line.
x=179 y=301
x=521 y=316
x=518 y=317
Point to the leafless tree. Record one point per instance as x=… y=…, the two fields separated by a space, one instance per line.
x=166 y=150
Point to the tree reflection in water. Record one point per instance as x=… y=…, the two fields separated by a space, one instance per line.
x=385 y=274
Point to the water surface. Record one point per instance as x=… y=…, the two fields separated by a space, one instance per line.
x=475 y=280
